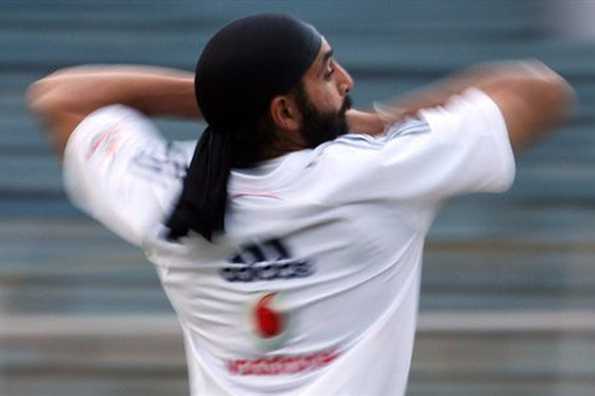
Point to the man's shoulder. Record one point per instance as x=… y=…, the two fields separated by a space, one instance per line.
x=393 y=131
x=409 y=126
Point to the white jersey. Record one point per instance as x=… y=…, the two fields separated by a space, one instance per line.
x=314 y=288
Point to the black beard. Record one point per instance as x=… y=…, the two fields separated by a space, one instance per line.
x=319 y=127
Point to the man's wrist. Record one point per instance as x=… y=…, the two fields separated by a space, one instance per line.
x=364 y=122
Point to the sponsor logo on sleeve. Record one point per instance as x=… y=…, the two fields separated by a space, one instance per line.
x=106 y=143
x=156 y=162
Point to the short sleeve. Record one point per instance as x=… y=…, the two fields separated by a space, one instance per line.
x=119 y=170
x=462 y=148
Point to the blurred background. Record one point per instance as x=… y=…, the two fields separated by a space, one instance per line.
x=508 y=297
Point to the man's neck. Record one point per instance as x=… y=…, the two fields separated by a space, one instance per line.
x=285 y=143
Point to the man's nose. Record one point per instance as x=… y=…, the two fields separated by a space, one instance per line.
x=346 y=82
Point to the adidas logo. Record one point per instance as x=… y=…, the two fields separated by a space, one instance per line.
x=266 y=261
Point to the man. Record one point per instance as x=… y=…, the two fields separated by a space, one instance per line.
x=291 y=251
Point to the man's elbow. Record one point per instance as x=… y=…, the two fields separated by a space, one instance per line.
x=554 y=94
x=560 y=98
x=41 y=98
x=34 y=95
x=49 y=102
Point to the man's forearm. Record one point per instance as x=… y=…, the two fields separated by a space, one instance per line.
x=531 y=97
x=483 y=76
x=436 y=94
x=153 y=91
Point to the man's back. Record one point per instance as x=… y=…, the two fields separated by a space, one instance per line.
x=316 y=287
x=313 y=289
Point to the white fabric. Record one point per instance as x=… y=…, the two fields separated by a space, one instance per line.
x=341 y=229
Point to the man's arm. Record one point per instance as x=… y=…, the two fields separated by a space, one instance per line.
x=367 y=122
x=531 y=97
x=64 y=98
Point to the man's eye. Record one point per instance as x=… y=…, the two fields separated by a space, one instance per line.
x=329 y=72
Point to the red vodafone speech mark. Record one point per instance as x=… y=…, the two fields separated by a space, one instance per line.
x=269 y=323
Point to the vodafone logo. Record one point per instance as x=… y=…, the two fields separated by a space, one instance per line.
x=282 y=365
x=272 y=327
x=269 y=322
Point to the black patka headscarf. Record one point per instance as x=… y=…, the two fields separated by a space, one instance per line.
x=242 y=68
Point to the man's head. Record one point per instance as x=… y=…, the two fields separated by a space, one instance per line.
x=266 y=85
x=271 y=80
x=314 y=110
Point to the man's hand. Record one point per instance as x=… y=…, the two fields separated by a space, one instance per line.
x=66 y=97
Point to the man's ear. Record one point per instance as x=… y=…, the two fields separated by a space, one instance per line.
x=285 y=114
